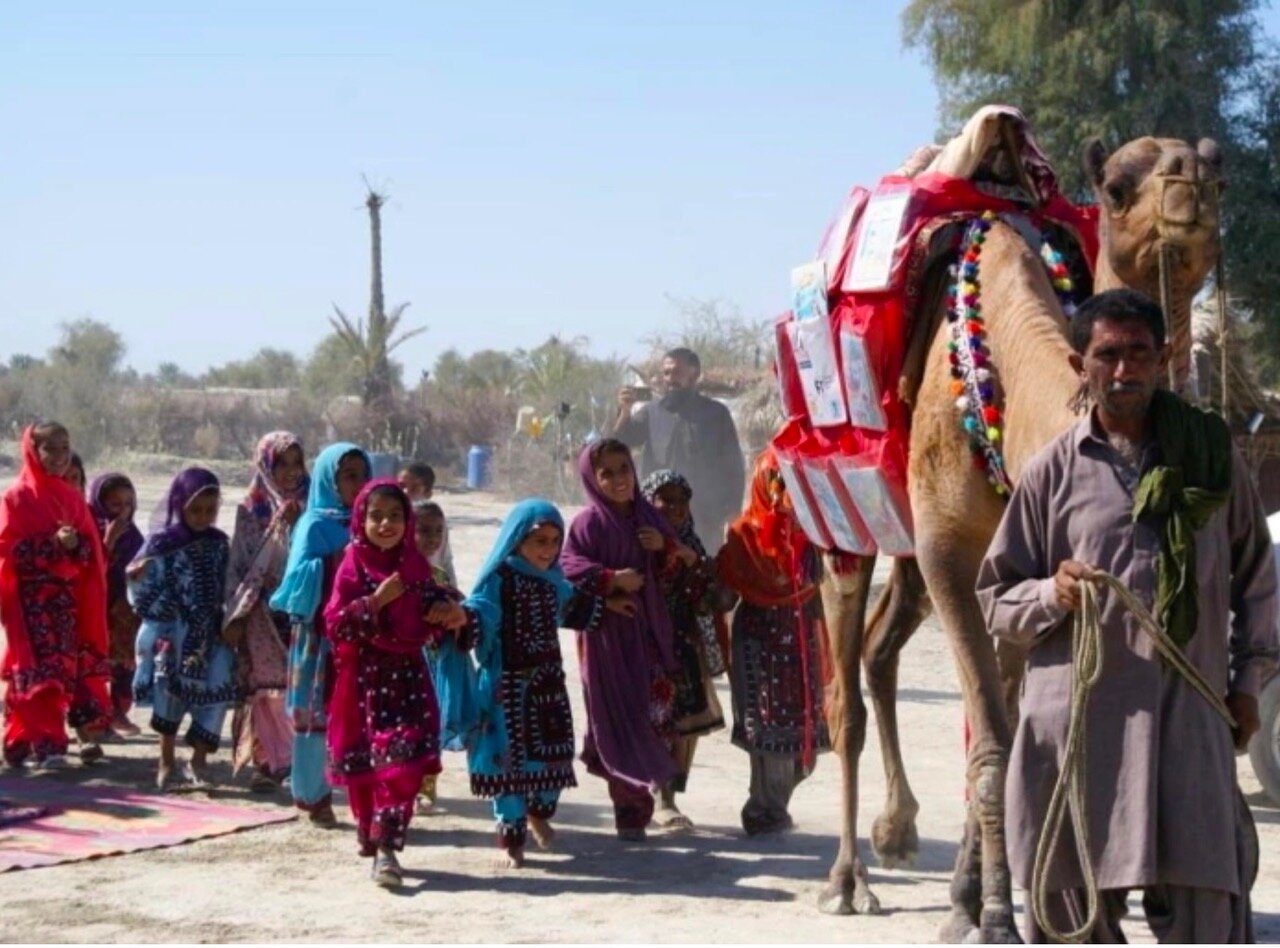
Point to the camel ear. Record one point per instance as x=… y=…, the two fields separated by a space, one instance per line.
x=1095 y=157
x=1211 y=152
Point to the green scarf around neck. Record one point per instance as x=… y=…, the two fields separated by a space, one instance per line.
x=1193 y=481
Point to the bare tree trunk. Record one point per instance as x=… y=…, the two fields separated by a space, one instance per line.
x=378 y=382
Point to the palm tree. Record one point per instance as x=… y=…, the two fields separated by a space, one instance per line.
x=371 y=345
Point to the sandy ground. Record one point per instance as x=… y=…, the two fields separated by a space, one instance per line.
x=292 y=882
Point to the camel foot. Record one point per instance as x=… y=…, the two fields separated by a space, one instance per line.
x=959 y=929
x=864 y=900
x=837 y=896
x=993 y=936
x=996 y=926
x=848 y=893
x=895 y=841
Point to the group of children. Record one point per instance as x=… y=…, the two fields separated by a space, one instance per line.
x=332 y=624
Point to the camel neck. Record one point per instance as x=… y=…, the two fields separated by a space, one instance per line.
x=1027 y=334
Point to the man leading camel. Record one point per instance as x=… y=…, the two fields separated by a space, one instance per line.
x=1143 y=487
x=693 y=435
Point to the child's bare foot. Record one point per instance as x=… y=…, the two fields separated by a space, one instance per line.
x=122 y=727
x=164 y=777
x=195 y=775
x=515 y=857
x=542 y=832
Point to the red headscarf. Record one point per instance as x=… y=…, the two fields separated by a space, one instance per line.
x=364 y=566
x=38 y=504
x=764 y=551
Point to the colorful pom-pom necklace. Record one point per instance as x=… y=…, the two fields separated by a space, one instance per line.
x=973 y=382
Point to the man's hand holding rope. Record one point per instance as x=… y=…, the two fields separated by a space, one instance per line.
x=1067 y=583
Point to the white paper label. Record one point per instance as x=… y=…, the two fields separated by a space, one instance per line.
x=879 y=507
x=809 y=291
x=800 y=503
x=862 y=393
x=849 y=536
x=815 y=356
x=837 y=235
x=877 y=239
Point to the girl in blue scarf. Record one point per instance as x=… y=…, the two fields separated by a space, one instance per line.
x=521 y=752
x=319 y=539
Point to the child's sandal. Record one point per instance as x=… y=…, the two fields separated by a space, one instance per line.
x=386 y=870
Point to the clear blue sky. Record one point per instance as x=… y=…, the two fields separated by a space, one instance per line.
x=193 y=177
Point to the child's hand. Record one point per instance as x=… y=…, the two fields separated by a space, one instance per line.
x=651 y=539
x=115 y=530
x=686 y=555
x=388 y=591
x=290 y=510
x=136 y=571
x=621 y=603
x=234 y=632
x=627 y=581
x=68 y=537
x=449 y=615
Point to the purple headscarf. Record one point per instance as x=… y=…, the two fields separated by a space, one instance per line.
x=616 y=666
x=130 y=542
x=172 y=533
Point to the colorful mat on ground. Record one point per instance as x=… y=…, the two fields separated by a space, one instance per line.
x=84 y=822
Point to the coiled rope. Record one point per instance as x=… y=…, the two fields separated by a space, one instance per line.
x=1069 y=791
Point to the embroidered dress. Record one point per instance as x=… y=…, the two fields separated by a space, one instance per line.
x=384 y=731
x=779 y=666
x=689 y=593
x=777 y=684
x=53 y=607
x=626 y=663
x=262 y=733
x=522 y=753
x=183 y=666
x=315 y=549
x=122 y=621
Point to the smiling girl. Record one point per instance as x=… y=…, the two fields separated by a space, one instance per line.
x=384 y=727
x=621 y=544
x=522 y=754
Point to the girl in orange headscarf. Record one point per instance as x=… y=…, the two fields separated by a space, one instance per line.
x=53 y=604
x=778 y=668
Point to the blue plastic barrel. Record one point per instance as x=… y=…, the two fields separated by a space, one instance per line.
x=479 y=466
x=384 y=465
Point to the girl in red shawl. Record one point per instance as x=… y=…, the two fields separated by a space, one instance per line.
x=384 y=721
x=53 y=604
x=778 y=669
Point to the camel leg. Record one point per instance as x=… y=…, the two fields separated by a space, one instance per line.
x=966 y=887
x=950 y=567
x=844 y=601
x=902 y=606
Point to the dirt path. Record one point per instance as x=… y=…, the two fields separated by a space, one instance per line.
x=294 y=883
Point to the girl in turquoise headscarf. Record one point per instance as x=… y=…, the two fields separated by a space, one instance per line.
x=319 y=538
x=521 y=752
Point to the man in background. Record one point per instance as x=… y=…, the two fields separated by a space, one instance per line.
x=688 y=432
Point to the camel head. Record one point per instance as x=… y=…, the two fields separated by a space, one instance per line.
x=1154 y=193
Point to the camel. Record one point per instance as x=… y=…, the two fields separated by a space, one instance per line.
x=1152 y=192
